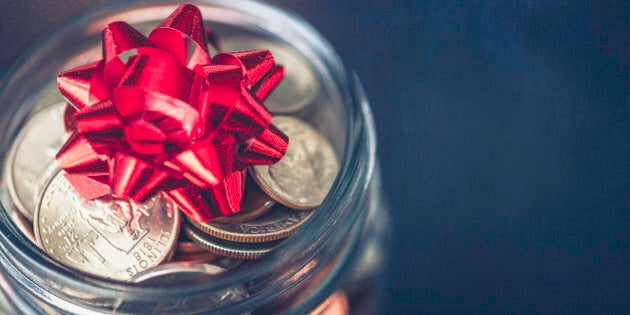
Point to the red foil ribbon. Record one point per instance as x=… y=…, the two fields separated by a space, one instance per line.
x=158 y=114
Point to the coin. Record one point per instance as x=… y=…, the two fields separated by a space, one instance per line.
x=185 y=272
x=335 y=304
x=177 y=272
x=106 y=237
x=24 y=225
x=205 y=257
x=279 y=223
x=255 y=203
x=188 y=247
x=32 y=156
x=188 y=251
x=299 y=87
x=227 y=248
x=49 y=94
x=303 y=177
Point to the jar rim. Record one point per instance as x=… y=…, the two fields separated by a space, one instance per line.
x=356 y=165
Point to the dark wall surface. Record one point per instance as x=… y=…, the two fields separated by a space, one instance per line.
x=504 y=141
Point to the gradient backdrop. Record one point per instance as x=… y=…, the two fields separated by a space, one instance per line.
x=504 y=142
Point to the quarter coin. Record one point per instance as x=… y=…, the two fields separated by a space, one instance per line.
x=279 y=223
x=299 y=87
x=106 y=237
x=227 y=248
x=32 y=156
x=303 y=177
x=184 y=272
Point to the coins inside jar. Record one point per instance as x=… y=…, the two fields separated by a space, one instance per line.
x=116 y=239
x=105 y=237
x=222 y=247
x=303 y=177
x=109 y=238
x=32 y=155
x=186 y=272
x=177 y=272
x=299 y=87
x=279 y=223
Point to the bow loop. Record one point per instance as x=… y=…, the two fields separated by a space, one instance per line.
x=183 y=35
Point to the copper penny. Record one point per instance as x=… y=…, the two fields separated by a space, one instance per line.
x=32 y=157
x=24 y=225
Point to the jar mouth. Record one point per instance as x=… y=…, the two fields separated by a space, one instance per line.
x=338 y=209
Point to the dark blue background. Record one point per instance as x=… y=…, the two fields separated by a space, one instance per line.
x=503 y=137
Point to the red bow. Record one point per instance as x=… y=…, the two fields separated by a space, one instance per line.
x=158 y=114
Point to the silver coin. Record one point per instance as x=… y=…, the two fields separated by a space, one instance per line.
x=175 y=272
x=109 y=238
x=279 y=223
x=299 y=87
x=303 y=177
x=183 y=272
x=32 y=156
x=204 y=257
x=227 y=248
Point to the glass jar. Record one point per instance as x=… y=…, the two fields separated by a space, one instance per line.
x=339 y=248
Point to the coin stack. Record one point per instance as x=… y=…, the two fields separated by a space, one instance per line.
x=154 y=242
